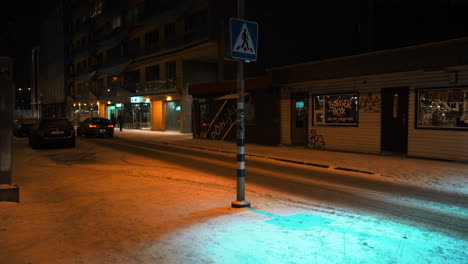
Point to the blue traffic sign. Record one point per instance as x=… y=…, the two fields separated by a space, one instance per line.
x=244 y=39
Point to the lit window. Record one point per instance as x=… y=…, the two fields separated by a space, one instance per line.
x=442 y=108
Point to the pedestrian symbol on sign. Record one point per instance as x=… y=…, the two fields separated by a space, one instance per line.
x=247 y=45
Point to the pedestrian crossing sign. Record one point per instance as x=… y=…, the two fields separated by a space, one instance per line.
x=244 y=39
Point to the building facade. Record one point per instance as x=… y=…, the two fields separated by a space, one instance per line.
x=412 y=100
x=49 y=92
x=136 y=58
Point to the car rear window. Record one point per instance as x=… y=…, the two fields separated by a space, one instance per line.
x=101 y=121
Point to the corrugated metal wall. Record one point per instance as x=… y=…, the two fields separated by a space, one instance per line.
x=443 y=144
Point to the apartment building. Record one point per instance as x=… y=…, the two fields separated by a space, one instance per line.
x=135 y=58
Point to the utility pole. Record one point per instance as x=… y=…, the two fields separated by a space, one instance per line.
x=240 y=203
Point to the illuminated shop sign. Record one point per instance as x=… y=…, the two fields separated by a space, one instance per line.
x=442 y=108
x=137 y=99
x=338 y=109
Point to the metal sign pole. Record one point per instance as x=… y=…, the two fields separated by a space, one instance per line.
x=240 y=127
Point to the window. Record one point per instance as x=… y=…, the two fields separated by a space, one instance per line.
x=133 y=14
x=196 y=26
x=114 y=52
x=337 y=109
x=171 y=74
x=170 y=35
x=152 y=73
x=116 y=22
x=99 y=84
x=152 y=40
x=133 y=47
x=442 y=108
x=100 y=59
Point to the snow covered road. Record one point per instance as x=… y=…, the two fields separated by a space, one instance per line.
x=119 y=201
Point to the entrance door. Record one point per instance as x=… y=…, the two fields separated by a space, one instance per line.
x=173 y=115
x=299 y=118
x=395 y=120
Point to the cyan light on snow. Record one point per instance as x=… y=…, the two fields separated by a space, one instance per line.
x=297 y=221
x=257 y=236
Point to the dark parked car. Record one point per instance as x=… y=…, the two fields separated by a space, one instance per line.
x=95 y=126
x=51 y=132
x=23 y=126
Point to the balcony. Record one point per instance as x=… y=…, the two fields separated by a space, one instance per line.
x=154 y=87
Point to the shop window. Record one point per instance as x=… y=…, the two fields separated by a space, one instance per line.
x=336 y=109
x=442 y=108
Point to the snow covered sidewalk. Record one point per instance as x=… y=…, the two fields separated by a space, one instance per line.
x=426 y=173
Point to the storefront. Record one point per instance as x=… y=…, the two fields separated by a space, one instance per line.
x=214 y=114
x=416 y=108
x=140 y=117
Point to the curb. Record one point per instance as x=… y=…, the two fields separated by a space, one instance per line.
x=271 y=158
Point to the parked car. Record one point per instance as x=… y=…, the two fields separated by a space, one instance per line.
x=23 y=126
x=51 y=132
x=94 y=127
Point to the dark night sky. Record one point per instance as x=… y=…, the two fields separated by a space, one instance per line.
x=19 y=30
x=293 y=32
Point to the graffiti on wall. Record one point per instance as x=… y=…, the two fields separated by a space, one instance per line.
x=224 y=120
x=370 y=103
x=315 y=140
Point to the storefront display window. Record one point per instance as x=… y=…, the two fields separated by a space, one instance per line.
x=442 y=108
x=337 y=109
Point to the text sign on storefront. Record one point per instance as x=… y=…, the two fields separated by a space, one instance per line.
x=339 y=109
x=137 y=99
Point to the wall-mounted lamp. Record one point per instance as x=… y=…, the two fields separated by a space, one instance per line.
x=168 y=98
